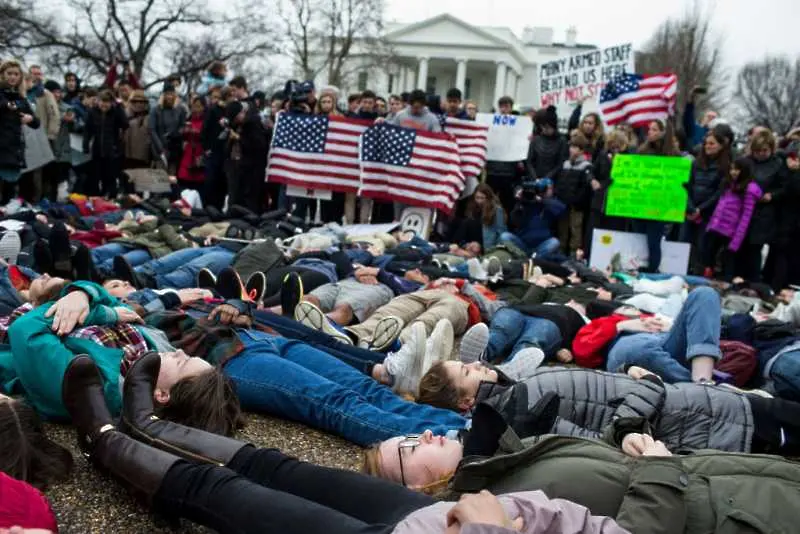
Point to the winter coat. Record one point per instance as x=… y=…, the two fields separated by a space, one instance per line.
x=166 y=127
x=546 y=155
x=254 y=143
x=192 y=152
x=12 y=142
x=734 y=215
x=158 y=241
x=137 y=138
x=705 y=492
x=572 y=182
x=103 y=132
x=788 y=227
x=602 y=173
x=704 y=188
x=46 y=109
x=212 y=130
x=770 y=178
x=683 y=416
x=62 y=148
x=532 y=221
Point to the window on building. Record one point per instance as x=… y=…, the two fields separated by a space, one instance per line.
x=467 y=89
x=392 y=79
x=362 y=81
x=430 y=85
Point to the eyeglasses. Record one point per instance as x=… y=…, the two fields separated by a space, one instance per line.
x=411 y=441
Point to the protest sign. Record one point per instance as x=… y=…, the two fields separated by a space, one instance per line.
x=648 y=187
x=37 y=149
x=628 y=252
x=566 y=82
x=150 y=180
x=508 y=136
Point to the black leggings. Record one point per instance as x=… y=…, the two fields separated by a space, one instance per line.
x=263 y=490
x=776 y=426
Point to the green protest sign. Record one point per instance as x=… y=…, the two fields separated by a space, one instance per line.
x=648 y=187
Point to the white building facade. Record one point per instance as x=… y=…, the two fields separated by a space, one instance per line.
x=442 y=52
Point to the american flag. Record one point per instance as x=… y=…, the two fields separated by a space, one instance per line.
x=471 y=138
x=316 y=152
x=411 y=166
x=638 y=99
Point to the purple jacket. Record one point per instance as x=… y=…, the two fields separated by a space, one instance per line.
x=540 y=515
x=732 y=215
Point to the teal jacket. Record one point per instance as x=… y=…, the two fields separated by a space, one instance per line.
x=40 y=358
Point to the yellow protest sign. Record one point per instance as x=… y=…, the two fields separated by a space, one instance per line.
x=648 y=187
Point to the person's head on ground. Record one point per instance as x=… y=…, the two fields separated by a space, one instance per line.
x=454 y=385
x=45 y=288
x=121 y=289
x=546 y=120
x=423 y=462
x=505 y=105
x=417 y=101
x=27 y=453
x=484 y=204
x=740 y=175
x=453 y=98
x=416 y=275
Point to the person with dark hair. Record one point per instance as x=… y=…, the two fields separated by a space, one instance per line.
x=454 y=109
x=353 y=103
x=167 y=121
x=239 y=86
x=381 y=106
x=366 y=107
x=503 y=176
x=214 y=146
x=102 y=138
x=484 y=220
x=247 y=187
x=417 y=115
x=786 y=259
x=191 y=171
x=573 y=188
x=396 y=105
x=549 y=149
x=121 y=69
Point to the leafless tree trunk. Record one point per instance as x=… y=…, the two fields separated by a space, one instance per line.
x=768 y=93
x=687 y=47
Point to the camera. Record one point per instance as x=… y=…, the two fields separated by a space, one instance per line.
x=298 y=93
x=530 y=189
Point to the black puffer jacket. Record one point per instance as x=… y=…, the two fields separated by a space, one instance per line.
x=703 y=187
x=12 y=142
x=103 y=132
x=770 y=176
x=546 y=155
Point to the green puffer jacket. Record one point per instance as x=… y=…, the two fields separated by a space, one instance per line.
x=157 y=240
x=705 y=492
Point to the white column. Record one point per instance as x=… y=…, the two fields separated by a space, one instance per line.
x=422 y=75
x=499 y=82
x=461 y=74
x=518 y=90
x=410 y=83
x=511 y=83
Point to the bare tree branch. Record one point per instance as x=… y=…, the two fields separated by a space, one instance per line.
x=767 y=93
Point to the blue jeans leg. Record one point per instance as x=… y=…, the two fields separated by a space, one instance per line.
x=547 y=248
x=696 y=330
x=135 y=257
x=514 y=239
x=185 y=276
x=283 y=377
x=504 y=330
x=785 y=375
x=106 y=252
x=541 y=333
x=170 y=262
x=647 y=350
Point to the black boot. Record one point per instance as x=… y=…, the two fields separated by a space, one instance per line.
x=139 y=421
x=125 y=271
x=140 y=466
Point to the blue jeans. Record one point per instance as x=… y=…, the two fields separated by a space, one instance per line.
x=179 y=269
x=511 y=331
x=290 y=379
x=695 y=332
x=785 y=375
x=654 y=232
x=103 y=256
x=546 y=248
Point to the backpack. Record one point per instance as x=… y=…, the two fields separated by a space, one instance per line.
x=260 y=256
x=738 y=360
x=506 y=252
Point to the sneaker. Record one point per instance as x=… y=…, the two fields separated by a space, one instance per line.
x=386 y=332
x=493 y=266
x=405 y=365
x=523 y=363
x=125 y=272
x=311 y=316
x=476 y=270
x=206 y=279
x=229 y=284
x=474 y=343
x=291 y=293
x=439 y=346
x=61 y=249
x=255 y=286
x=10 y=246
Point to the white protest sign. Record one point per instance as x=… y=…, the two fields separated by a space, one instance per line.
x=632 y=250
x=565 y=82
x=508 y=136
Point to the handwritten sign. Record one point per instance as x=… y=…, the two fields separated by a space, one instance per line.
x=648 y=187
x=565 y=82
x=508 y=136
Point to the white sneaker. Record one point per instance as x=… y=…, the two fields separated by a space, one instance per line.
x=439 y=346
x=386 y=332
x=493 y=267
x=476 y=270
x=474 y=343
x=405 y=365
x=311 y=316
x=523 y=364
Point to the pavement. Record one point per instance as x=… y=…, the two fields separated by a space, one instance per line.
x=92 y=502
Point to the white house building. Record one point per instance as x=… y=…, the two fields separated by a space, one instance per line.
x=484 y=62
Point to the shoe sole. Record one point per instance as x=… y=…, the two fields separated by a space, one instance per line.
x=309 y=315
x=288 y=308
x=256 y=285
x=474 y=343
x=210 y=279
x=418 y=338
x=386 y=332
x=439 y=345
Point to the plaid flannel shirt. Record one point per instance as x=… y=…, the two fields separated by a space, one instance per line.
x=119 y=336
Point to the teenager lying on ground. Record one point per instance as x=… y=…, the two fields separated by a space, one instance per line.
x=645 y=488
x=271 y=374
x=231 y=486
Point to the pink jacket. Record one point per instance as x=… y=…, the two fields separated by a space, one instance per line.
x=732 y=215
x=540 y=516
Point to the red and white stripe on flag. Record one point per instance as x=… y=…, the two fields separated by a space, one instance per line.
x=653 y=99
x=411 y=167
x=472 y=139
x=316 y=152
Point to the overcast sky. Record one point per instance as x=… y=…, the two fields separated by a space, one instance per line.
x=750 y=29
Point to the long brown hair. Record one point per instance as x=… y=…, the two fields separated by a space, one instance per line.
x=488 y=212
x=599 y=130
x=665 y=146
x=723 y=159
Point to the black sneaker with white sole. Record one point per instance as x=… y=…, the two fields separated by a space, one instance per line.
x=255 y=286
x=291 y=293
x=206 y=279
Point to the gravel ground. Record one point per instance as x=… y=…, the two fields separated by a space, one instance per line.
x=91 y=502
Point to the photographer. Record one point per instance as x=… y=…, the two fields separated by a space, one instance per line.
x=250 y=143
x=167 y=121
x=533 y=216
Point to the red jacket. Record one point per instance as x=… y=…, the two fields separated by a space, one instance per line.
x=23 y=505
x=591 y=342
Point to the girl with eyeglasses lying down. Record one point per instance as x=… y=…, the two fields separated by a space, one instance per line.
x=643 y=486
x=233 y=487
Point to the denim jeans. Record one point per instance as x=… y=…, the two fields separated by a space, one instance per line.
x=654 y=232
x=290 y=379
x=179 y=269
x=785 y=375
x=695 y=332
x=545 y=249
x=103 y=256
x=511 y=331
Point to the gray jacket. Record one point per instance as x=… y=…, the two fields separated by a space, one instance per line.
x=166 y=130
x=683 y=416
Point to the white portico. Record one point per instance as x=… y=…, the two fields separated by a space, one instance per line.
x=485 y=63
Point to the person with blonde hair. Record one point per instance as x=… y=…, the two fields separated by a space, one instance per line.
x=15 y=111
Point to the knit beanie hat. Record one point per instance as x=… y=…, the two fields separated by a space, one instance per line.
x=52 y=85
x=546 y=117
x=23 y=505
